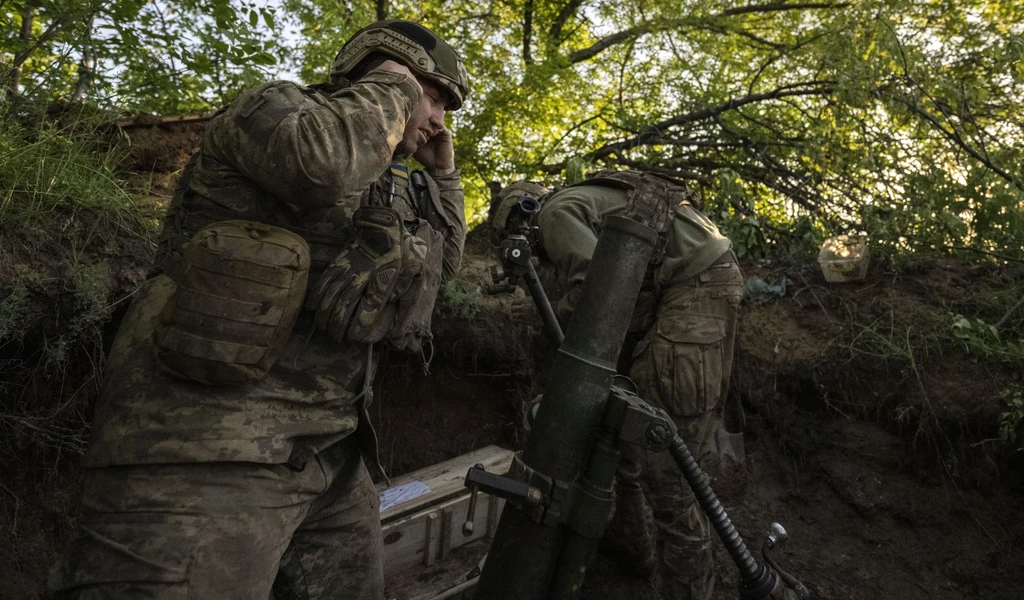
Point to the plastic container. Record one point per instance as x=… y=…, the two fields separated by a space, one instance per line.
x=844 y=258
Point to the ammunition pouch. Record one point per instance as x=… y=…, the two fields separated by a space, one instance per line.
x=240 y=289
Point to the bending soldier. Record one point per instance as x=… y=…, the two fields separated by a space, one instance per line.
x=227 y=453
x=678 y=352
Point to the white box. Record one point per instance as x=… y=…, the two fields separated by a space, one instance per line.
x=844 y=258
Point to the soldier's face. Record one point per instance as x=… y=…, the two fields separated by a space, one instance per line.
x=426 y=121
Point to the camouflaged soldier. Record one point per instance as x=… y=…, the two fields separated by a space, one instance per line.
x=227 y=453
x=678 y=352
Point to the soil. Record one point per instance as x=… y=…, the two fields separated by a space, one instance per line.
x=886 y=468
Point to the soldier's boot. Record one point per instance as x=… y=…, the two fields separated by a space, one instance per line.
x=630 y=535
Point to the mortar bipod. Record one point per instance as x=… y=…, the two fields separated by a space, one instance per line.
x=515 y=264
x=630 y=420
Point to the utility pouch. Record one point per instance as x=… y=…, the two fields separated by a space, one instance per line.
x=239 y=292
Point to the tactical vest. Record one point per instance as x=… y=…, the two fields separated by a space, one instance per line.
x=221 y=346
x=190 y=212
x=652 y=200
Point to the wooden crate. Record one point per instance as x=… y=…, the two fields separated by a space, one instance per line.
x=426 y=554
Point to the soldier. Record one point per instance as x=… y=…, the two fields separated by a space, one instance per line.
x=227 y=452
x=678 y=352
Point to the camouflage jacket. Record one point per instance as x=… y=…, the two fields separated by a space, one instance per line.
x=303 y=159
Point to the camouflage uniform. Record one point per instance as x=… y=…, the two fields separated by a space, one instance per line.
x=216 y=492
x=678 y=352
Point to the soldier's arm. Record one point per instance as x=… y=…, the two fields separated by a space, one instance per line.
x=315 y=150
x=569 y=241
x=442 y=204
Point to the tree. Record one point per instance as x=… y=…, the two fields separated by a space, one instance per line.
x=164 y=56
x=794 y=117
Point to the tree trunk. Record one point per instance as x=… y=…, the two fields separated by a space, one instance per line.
x=27 y=16
x=528 y=32
x=85 y=66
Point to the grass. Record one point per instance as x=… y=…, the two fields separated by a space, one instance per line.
x=50 y=168
x=456 y=298
x=69 y=227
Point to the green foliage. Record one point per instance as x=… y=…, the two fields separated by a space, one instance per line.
x=63 y=167
x=982 y=340
x=13 y=310
x=1010 y=420
x=458 y=299
x=163 y=56
x=798 y=120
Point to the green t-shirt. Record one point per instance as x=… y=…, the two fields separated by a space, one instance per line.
x=570 y=223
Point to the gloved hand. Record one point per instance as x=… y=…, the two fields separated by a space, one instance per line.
x=350 y=297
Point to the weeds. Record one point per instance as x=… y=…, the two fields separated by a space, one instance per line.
x=982 y=340
x=64 y=209
x=459 y=300
x=1011 y=420
x=55 y=168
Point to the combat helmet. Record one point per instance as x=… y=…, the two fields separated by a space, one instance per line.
x=515 y=204
x=420 y=49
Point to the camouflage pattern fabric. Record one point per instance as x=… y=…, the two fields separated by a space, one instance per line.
x=570 y=222
x=351 y=294
x=194 y=491
x=227 y=530
x=262 y=162
x=683 y=366
x=418 y=282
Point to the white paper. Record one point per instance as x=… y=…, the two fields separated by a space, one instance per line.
x=403 y=493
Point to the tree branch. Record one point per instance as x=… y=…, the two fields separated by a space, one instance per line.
x=820 y=88
x=781 y=6
x=655 y=25
x=954 y=136
x=644 y=28
x=527 y=31
x=568 y=10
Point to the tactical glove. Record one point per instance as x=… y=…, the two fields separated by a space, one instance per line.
x=350 y=297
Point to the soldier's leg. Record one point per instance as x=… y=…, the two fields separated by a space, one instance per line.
x=630 y=534
x=337 y=551
x=683 y=539
x=681 y=367
x=184 y=531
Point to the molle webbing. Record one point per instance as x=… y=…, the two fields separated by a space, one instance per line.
x=239 y=291
x=652 y=201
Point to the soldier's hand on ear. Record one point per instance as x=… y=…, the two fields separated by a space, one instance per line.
x=438 y=154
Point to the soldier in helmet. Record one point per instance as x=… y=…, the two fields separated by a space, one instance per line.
x=678 y=352
x=231 y=450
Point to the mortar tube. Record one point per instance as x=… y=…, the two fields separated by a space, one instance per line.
x=524 y=553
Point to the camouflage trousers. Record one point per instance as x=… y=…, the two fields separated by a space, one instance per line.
x=227 y=530
x=683 y=366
